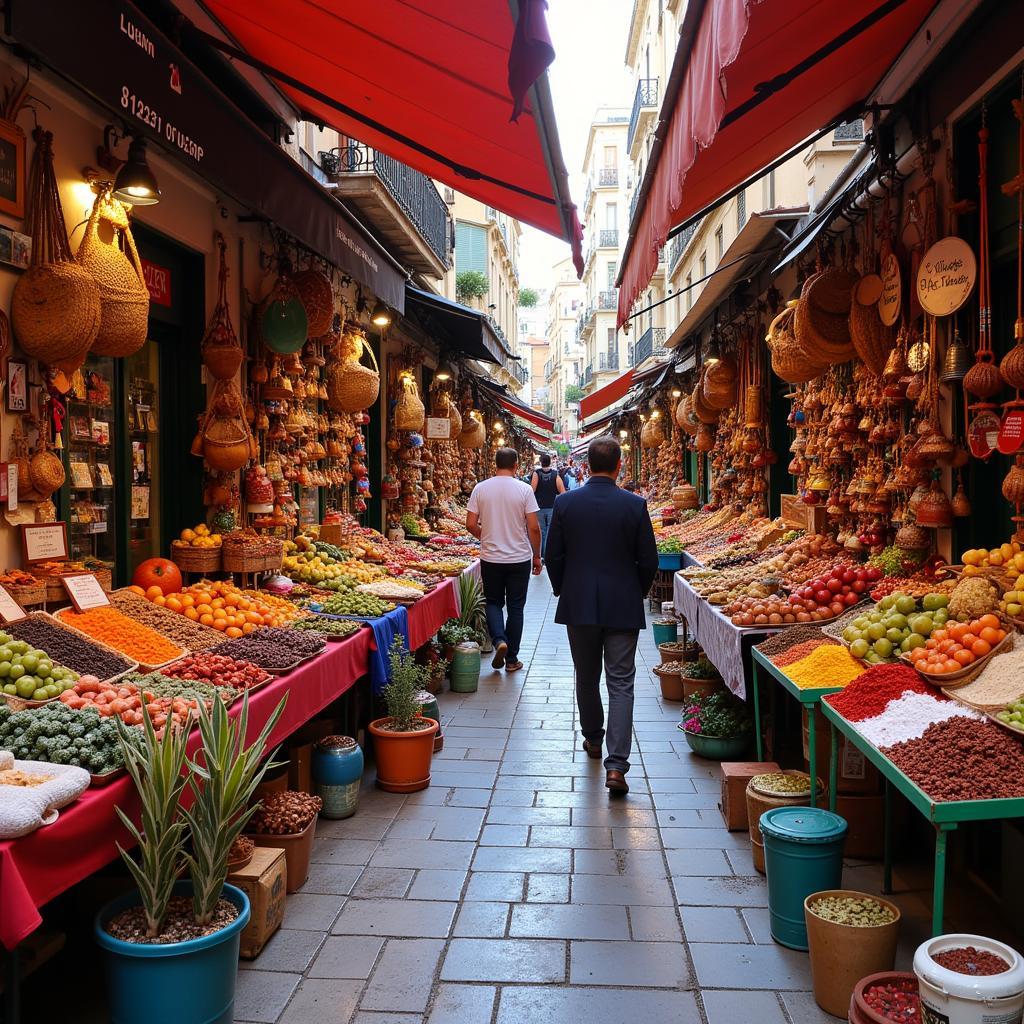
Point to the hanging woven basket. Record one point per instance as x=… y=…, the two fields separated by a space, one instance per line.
x=317 y=297
x=351 y=386
x=821 y=323
x=652 y=435
x=222 y=355
x=282 y=318
x=473 y=434
x=871 y=339
x=225 y=444
x=789 y=360
x=409 y=411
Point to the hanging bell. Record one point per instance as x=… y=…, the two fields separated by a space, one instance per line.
x=956 y=361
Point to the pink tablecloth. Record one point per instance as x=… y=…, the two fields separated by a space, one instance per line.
x=40 y=866
x=431 y=612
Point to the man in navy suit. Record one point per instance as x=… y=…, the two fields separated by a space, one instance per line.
x=601 y=559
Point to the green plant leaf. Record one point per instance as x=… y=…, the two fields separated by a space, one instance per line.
x=407 y=679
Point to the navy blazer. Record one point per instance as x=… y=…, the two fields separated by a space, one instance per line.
x=601 y=556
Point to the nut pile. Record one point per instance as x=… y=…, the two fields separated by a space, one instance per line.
x=781 y=784
x=188 y=634
x=855 y=911
x=272 y=648
x=968 y=960
x=68 y=648
x=285 y=814
x=780 y=642
x=327 y=627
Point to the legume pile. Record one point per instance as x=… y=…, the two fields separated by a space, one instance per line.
x=126 y=635
x=858 y=912
x=272 y=648
x=896 y=1001
x=968 y=960
x=781 y=784
x=285 y=813
x=785 y=639
x=962 y=759
x=175 y=627
x=71 y=649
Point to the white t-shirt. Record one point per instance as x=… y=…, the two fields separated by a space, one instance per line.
x=503 y=503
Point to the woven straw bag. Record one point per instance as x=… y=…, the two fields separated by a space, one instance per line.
x=46 y=472
x=701 y=409
x=789 y=361
x=222 y=354
x=652 y=436
x=117 y=269
x=822 y=321
x=409 y=411
x=226 y=443
x=352 y=387
x=317 y=295
x=719 y=387
x=872 y=340
x=55 y=308
x=473 y=432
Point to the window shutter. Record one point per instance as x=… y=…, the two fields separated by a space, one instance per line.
x=470 y=247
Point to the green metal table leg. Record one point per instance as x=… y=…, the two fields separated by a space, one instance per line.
x=833 y=768
x=757 y=711
x=887 y=840
x=812 y=753
x=939 y=891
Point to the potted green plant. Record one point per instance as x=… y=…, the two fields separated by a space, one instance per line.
x=473 y=610
x=717 y=726
x=172 y=936
x=403 y=739
x=700 y=678
x=450 y=635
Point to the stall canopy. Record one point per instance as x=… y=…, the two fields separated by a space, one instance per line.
x=619 y=388
x=456 y=90
x=516 y=407
x=749 y=82
x=457 y=328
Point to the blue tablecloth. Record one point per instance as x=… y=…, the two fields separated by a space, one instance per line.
x=385 y=629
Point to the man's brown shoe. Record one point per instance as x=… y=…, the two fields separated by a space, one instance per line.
x=593 y=749
x=616 y=782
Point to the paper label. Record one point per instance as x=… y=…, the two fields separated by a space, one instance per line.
x=45 y=541
x=10 y=610
x=1011 y=433
x=85 y=591
x=439 y=428
x=946 y=276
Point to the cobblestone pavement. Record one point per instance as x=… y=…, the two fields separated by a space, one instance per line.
x=515 y=889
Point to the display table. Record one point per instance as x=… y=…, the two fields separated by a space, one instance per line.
x=42 y=865
x=944 y=816
x=727 y=646
x=432 y=611
x=808 y=698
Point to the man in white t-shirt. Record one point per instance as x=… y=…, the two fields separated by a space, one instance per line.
x=502 y=514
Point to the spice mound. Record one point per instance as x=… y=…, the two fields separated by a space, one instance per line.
x=855 y=911
x=896 y=1001
x=179 y=925
x=871 y=692
x=826 y=666
x=783 y=641
x=968 y=960
x=16 y=777
x=781 y=784
x=285 y=814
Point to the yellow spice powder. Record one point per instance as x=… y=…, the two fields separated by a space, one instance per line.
x=828 y=665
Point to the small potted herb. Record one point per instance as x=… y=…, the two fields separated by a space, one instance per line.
x=404 y=739
x=717 y=726
x=700 y=678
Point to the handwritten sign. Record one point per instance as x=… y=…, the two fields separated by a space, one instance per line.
x=85 y=591
x=983 y=435
x=439 y=428
x=892 y=288
x=946 y=276
x=1011 y=433
x=44 y=542
x=10 y=610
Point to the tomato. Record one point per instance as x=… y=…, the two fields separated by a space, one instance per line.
x=980 y=648
x=158 y=572
x=963 y=657
x=989 y=621
x=990 y=634
x=958 y=630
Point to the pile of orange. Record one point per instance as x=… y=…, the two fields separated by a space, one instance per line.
x=109 y=626
x=958 y=645
x=224 y=607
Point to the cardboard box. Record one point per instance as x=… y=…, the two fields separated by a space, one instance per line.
x=856 y=775
x=735 y=776
x=263 y=880
x=300 y=772
x=865 y=816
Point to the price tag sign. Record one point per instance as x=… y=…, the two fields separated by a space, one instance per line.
x=892 y=287
x=10 y=610
x=1011 y=432
x=983 y=435
x=946 y=276
x=85 y=591
x=44 y=542
x=439 y=428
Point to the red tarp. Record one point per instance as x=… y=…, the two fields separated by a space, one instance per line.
x=739 y=48
x=603 y=397
x=440 y=73
x=527 y=413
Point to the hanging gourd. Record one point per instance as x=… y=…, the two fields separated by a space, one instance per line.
x=108 y=252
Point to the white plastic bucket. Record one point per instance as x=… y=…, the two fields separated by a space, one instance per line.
x=949 y=997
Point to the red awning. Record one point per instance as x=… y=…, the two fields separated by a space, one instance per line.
x=603 y=397
x=755 y=78
x=433 y=83
x=527 y=412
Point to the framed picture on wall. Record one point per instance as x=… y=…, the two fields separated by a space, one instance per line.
x=12 y=169
x=17 y=386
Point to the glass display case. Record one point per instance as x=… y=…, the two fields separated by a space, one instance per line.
x=142 y=422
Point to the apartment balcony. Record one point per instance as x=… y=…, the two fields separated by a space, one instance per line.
x=651 y=344
x=608 y=177
x=645 y=109
x=519 y=371
x=588 y=375
x=607 y=361
x=608 y=238
x=585 y=322
x=402 y=205
x=677 y=246
x=633 y=200
x=608 y=299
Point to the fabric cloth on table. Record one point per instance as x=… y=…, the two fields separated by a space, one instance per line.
x=687 y=603
x=37 y=867
x=433 y=610
x=385 y=629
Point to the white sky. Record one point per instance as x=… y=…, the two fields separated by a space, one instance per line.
x=589 y=71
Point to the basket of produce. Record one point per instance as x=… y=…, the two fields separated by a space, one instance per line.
x=277 y=651
x=331 y=630
x=108 y=625
x=391 y=590
x=248 y=551
x=167 y=620
x=65 y=646
x=898 y=624
x=353 y=604
x=24 y=587
x=195 y=560
x=29 y=677
x=954 y=656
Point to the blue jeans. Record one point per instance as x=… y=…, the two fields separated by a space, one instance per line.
x=544 y=519
x=506 y=583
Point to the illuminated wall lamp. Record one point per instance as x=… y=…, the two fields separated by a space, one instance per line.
x=380 y=315
x=136 y=183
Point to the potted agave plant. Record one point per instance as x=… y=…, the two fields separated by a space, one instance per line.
x=717 y=726
x=180 y=937
x=403 y=739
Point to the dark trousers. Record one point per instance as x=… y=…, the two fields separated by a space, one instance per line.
x=506 y=584
x=590 y=645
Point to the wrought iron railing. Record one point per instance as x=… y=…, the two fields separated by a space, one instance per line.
x=588 y=374
x=633 y=200
x=650 y=343
x=608 y=238
x=608 y=360
x=679 y=242
x=646 y=96
x=608 y=299
x=607 y=177
x=519 y=371
x=414 y=192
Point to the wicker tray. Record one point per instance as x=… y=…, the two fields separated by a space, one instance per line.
x=97 y=781
x=132 y=663
x=32 y=594
x=294 y=665
x=192 y=560
x=141 y=666
x=954 y=680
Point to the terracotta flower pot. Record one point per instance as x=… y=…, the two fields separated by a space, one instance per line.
x=298 y=849
x=403 y=758
x=671 y=684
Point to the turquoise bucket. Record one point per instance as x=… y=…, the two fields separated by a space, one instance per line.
x=803 y=852
x=176 y=982
x=665 y=633
x=337 y=767
x=466 y=668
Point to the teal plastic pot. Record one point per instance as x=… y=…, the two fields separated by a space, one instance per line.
x=803 y=854
x=665 y=632
x=177 y=982
x=717 y=748
x=466 y=668
x=337 y=768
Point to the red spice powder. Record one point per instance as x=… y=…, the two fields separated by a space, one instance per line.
x=800 y=650
x=870 y=694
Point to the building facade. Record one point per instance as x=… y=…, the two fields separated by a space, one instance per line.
x=566 y=299
x=605 y=219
